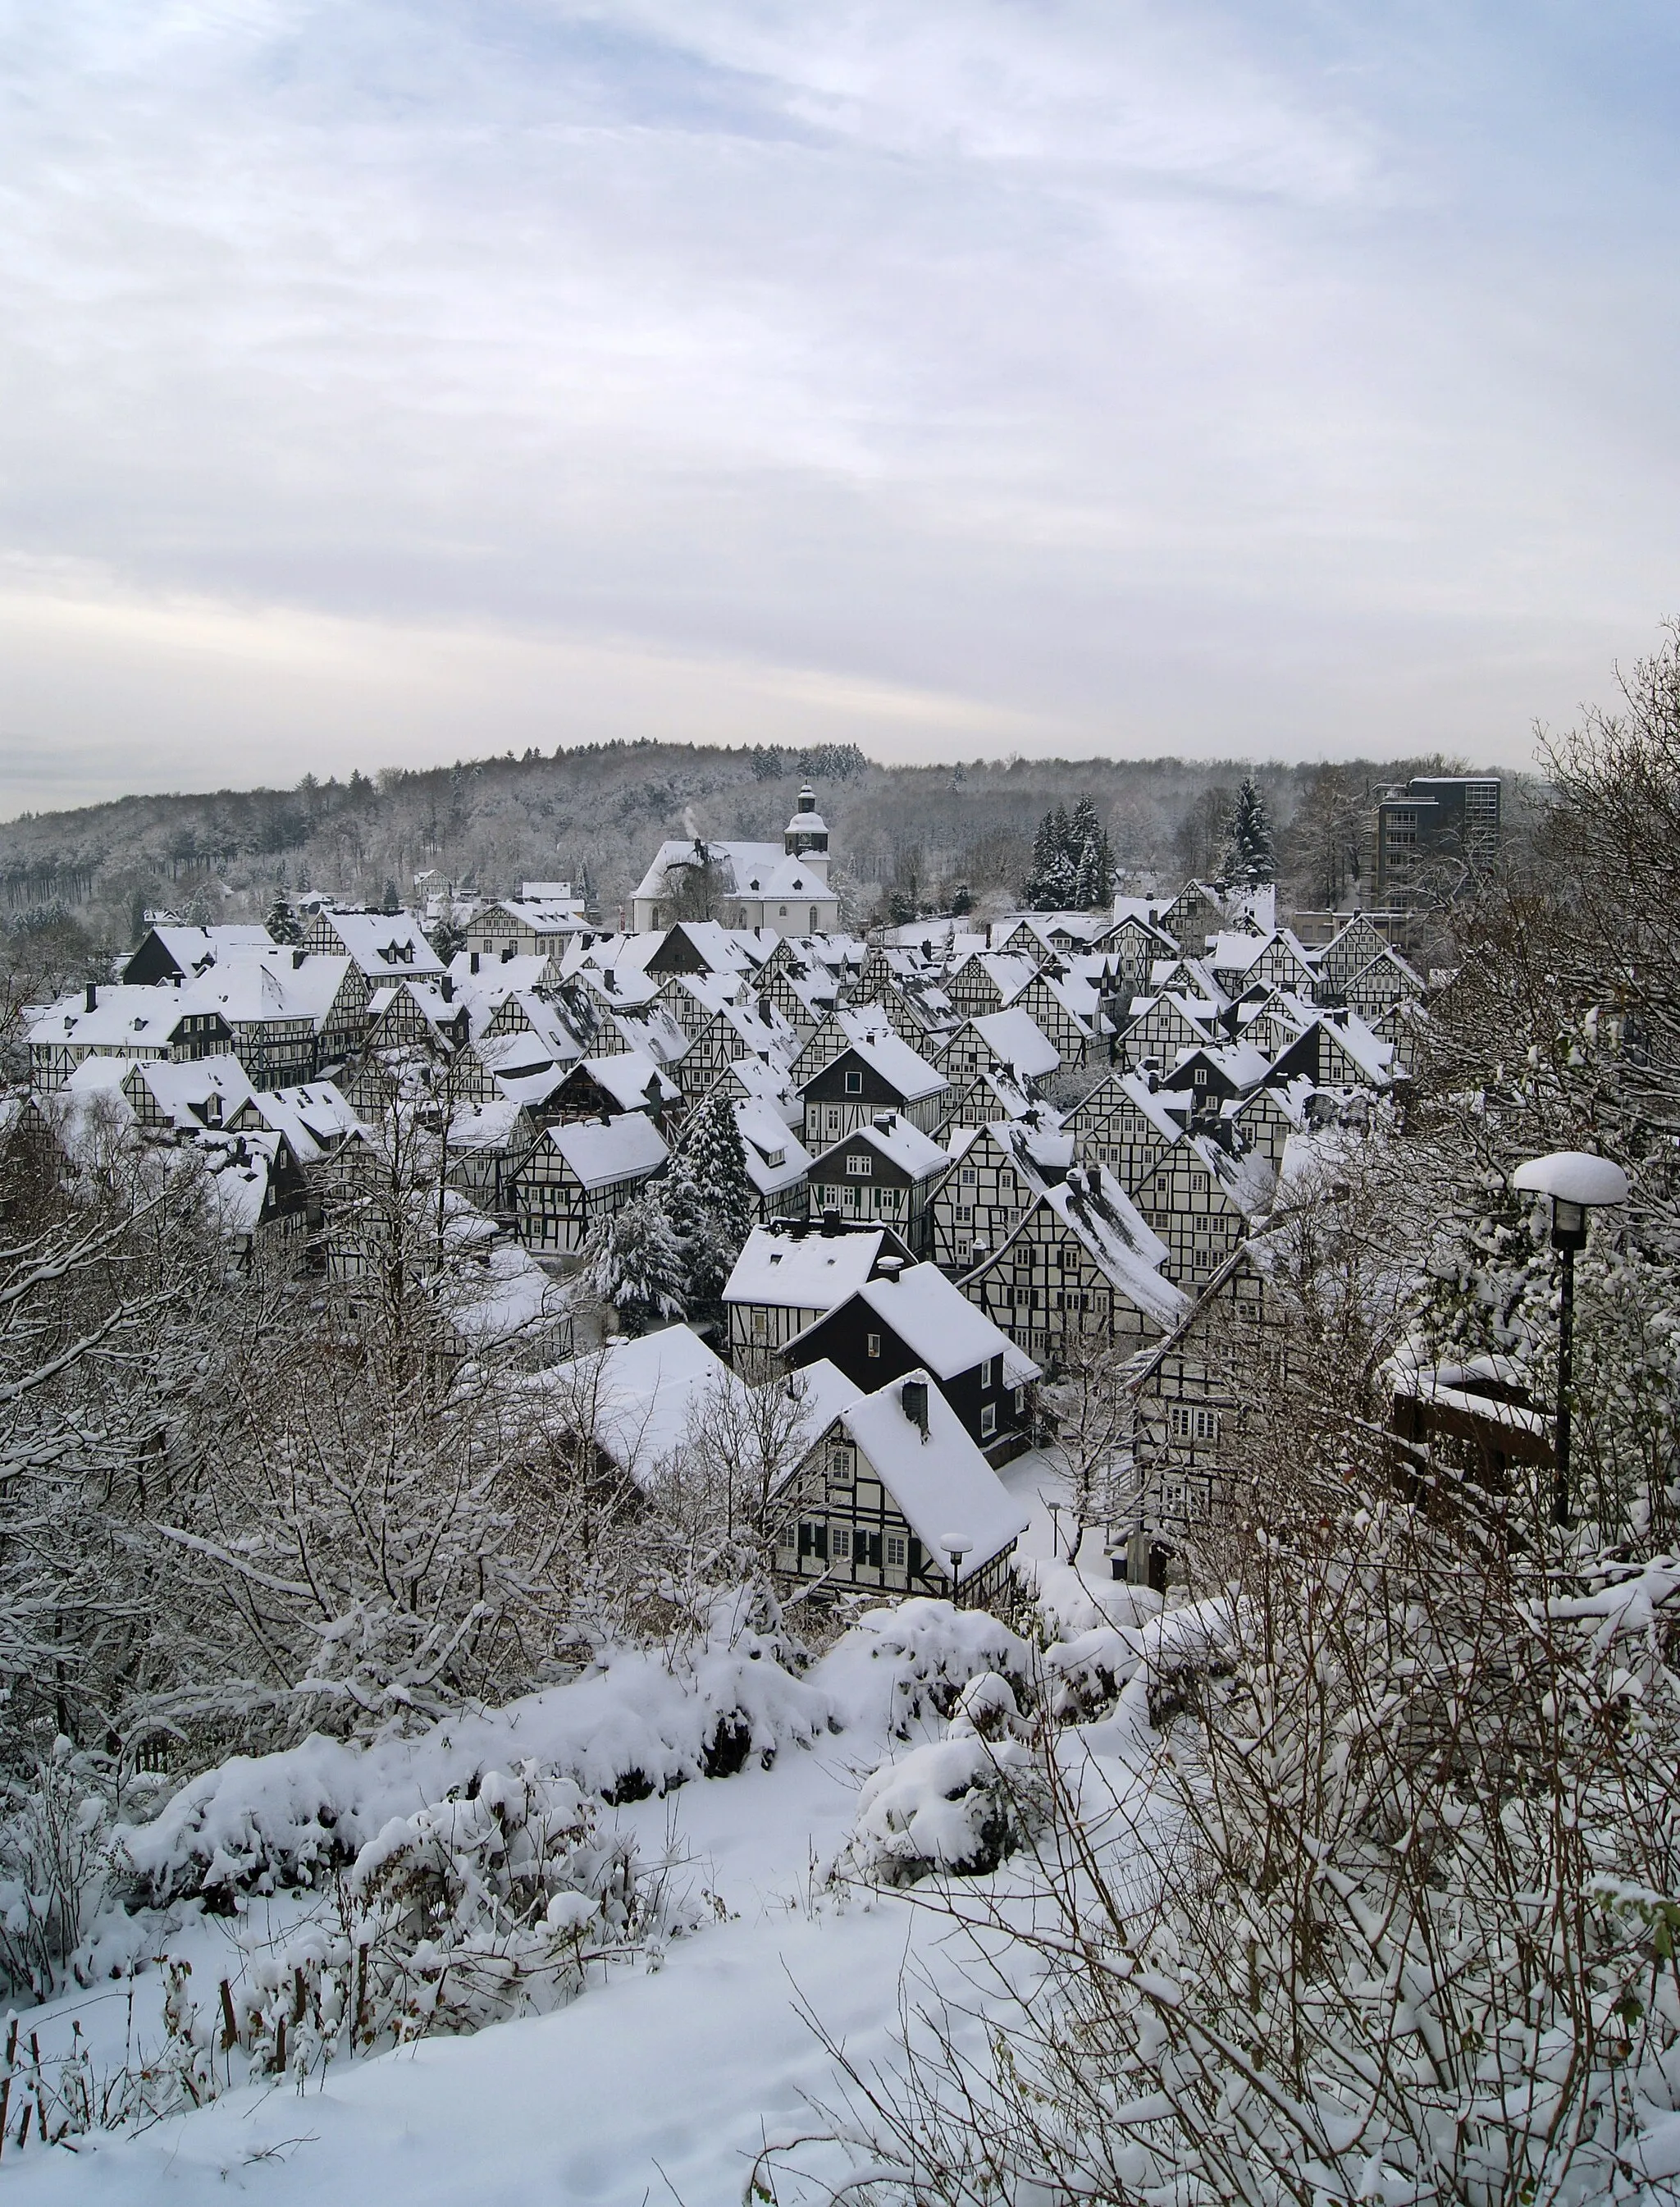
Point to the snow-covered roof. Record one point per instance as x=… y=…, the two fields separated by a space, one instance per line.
x=632 y=1079
x=501 y=1296
x=890 y=1058
x=643 y=1395
x=935 y=1320
x=745 y=869
x=1129 y=1252
x=194 y=948
x=314 y=1117
x=143 y=1017
x=1017 y=1039
x=545 y=914
x=939 y=1481
x=802 y=1268
x=284 y=986
x=1243 y=1064
x=491 y=1125
x=629 y=1147
x=823 y=1391
x=906 y=1146
x=777 y=1159
x=387 y=944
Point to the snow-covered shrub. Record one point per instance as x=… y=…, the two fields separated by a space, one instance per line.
x=1409 y=1928
x=907 y=1662
x=955 y=1806
x=1168 y=1651
x=55 y=1860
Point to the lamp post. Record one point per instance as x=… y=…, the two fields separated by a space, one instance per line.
x=956 y=1546
x=1576 y=1182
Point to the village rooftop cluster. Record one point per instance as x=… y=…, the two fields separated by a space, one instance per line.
x=971 y=1153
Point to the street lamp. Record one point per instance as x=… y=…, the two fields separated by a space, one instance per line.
x=956 y=1546
x=1576 y=1182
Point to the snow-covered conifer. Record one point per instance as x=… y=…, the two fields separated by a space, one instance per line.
x=637 y=1264
x=1251 y=858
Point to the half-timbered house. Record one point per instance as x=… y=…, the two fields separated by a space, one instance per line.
x=573 y=1176
x=788 y=1274
x=1082 y=1262
x=875 y=1071
x=886 y=1170
x=911 y=1317
x=998 y=1172
x=895 y=1498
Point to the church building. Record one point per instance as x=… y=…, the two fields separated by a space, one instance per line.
x=783 y=888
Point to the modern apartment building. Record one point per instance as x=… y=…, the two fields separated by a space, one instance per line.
x=1435 y=824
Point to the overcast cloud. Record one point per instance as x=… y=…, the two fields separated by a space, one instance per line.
x=388 y=381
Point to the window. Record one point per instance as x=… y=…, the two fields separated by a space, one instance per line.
x=874 y=1344
x=987 y=1373
x=860 y=1166
x=964 y=1251
x=866 y=1549
x=814 y=1542
x=987 y=1421
x=782 y=912
x=1200 y=1076
x=840 y=1463
x=854 y=1083
x=1193 y=1422
x=968 y=1175
x=895 y=1552
x=761 y=1326
x=840 y=1543
x=965 y=1214
x=1020 y=1401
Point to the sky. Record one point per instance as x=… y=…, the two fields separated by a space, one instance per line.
x=396 y=382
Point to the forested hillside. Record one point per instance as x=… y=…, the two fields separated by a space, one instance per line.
x=594 y=815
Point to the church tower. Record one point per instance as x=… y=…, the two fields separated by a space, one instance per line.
x=806 y=835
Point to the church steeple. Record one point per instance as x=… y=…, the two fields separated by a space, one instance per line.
x=806 y=835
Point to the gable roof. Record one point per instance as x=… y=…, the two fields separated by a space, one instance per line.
x=1016 y=1037
x=902 y=1145
x=802 y=1268
x=939 y=1481
x=934 y=1319
x=629 y=1147
x=643 y=1395
x=889 y=1057
x=388 y=944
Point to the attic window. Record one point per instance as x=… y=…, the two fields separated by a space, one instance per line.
x=873 y=1344
x=860 y=1167
x=854 y=1083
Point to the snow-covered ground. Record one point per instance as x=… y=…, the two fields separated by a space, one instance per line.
x=659 y=2084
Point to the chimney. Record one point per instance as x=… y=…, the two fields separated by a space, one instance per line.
x=831 y=1221
x=474 y=955
x=884 y=1120
x=890 y=1267
x=297 y=959
x=91 y=1002
x=446 y=988
x=913 y=1395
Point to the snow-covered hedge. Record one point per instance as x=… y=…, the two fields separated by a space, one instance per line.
x=636 y=1727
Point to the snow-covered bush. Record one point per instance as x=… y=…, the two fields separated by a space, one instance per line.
x=1411 y=1936
x=54 y=1832
x=955 y=1806
x=902 y=1664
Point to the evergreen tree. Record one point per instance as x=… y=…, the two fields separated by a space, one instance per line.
x=282 y=922
x=1093 y=859
x=637 y=1263
x=709 y=1201
x=1250 y=858
x=390 y=902
x=1073 y=865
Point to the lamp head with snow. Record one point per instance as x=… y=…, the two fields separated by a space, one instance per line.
x=1577 y=1182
